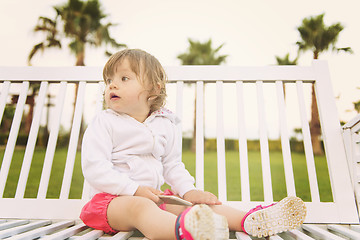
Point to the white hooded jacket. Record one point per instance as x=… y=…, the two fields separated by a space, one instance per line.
x=119 y=154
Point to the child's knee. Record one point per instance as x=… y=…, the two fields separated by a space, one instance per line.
x=123 y=211
x=140 y=204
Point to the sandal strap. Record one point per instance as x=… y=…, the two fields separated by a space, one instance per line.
x=257 y=208
x=180 y=231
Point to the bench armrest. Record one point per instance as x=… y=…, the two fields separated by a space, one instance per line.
x=353 y=124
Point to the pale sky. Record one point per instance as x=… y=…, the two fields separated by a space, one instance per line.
x=254 y=32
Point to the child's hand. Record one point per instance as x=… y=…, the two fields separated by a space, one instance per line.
x=198 y=197
x=148 y=192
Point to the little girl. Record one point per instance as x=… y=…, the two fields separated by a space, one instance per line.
x=130 y=149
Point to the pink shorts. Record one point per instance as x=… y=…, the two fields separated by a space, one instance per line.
x=94 y=213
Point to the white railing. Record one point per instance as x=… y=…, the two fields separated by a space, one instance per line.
x=351 y=136
x=225 y=81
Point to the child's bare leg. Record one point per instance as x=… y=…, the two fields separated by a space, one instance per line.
x=126 y=213
x=233 y=216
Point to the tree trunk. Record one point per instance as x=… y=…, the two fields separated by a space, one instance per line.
x=316 y=54
x=284 y=90
x=315 y=128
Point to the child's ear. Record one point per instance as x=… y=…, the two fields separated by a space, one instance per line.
x=152 y=97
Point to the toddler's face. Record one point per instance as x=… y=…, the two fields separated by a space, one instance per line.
x=125 y=94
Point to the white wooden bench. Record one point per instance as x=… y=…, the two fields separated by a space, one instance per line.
x=23 y=217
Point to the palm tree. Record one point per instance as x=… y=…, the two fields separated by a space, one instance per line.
x=286 y=60
x=200 y=54
x=318 y=38
x=81 y=23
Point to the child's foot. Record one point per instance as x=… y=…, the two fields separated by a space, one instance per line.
x=287 y=214
x=201 y=223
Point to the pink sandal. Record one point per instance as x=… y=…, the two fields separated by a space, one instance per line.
x=265 y=221
x=200 y=222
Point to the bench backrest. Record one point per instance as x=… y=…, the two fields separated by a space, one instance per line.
x=246 y=87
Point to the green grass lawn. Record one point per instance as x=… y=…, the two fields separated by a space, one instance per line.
x=35 y=174
x=255 y=173
x=232 y=166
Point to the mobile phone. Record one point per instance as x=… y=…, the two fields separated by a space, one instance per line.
x=169 y=199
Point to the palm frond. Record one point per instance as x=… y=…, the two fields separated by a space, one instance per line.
x=34 y=50
x=345 y=49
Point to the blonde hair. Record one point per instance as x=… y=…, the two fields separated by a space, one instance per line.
x=147 y=68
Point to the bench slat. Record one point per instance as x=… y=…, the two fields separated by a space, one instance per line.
x=344 y=231
x=30 y=146
x=121 y=236
x=24 y=227
x=39 y=232
x=264 y=144
x=243 y=152
x=69 y=232
x=298 y=235
x=14 y=131
x=318 y=231
x=50 y=149
x=242 y=236
x=86 y=191
x=179 y=107
x=220 y=142
x=314 y=189
x=92 y=235
x=355 y=228
x=99 y=106
x=5 y=225
x=276 y=237
x=285 y=144
x=100 y=97
x=200 y=135
x=73 y=143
